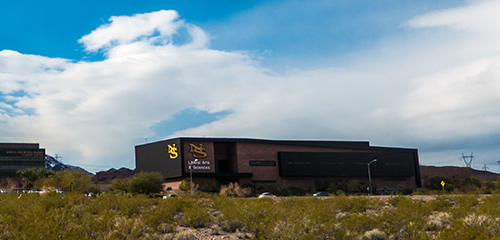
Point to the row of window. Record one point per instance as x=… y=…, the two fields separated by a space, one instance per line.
x=23 y=163
x=262 y=163
x=8 y=174
x=273 y=163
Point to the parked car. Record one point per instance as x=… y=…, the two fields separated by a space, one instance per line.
x=266 y=195
x=170 y=195
x=321 y=194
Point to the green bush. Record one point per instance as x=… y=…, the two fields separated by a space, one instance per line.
x=117 y=216
x=185 y=185
x=120 y=185
x=68 y=181
x=196 y=216
x=147 y=183
x=31 y=175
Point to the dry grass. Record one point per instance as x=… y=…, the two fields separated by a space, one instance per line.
x=54 y=216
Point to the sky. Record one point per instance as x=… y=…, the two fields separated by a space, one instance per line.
x=91 y=80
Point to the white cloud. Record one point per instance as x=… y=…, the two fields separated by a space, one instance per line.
x=479 y=16
x=156 y=27
x=403 y=93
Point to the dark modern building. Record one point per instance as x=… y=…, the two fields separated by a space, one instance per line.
x=292 y=163
x=14 y=156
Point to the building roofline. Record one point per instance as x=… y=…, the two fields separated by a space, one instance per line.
x=300 y=142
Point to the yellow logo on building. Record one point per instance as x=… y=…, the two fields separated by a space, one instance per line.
x=198 y=151
x=172 y=150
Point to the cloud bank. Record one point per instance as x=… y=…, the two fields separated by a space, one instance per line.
x=435 y=88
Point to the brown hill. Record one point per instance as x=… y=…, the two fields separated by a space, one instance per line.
x=105 y=177
x=485 y=175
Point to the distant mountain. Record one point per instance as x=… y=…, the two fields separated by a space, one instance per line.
x=52 y=164
x=485 y=175
x=106 y=177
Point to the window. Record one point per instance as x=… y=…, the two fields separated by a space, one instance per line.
x=262 y=163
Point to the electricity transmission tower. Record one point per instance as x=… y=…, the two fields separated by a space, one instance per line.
x=485 y=167
x=468 y=159
x=58 y=158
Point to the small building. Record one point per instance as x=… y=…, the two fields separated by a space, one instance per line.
x=294 y=163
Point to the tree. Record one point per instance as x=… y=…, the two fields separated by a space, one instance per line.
x=120 y=184
x=185 y=185
x=353 y=186
x=147 y=183
x=31 y=175
x=69 y=180
x=472 y=181
x=435 y=183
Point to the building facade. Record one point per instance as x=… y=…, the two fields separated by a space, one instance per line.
x=15 y=156
x=283 y=162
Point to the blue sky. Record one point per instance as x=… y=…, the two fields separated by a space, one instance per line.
x=91 y=80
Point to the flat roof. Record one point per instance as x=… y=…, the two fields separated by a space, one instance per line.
x=19 y=145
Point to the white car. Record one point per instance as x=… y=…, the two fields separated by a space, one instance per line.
x=266 y=195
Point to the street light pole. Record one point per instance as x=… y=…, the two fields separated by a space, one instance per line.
x=191 y=175
x=370 y=176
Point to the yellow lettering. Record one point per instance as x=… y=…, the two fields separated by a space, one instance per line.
x=172 y=150
x=198 y=151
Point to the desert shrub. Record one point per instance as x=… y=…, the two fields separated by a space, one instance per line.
x=116 y=216
x=120 y=185
x=196 y=216
x=147 y=183
x=340 y=192
x=489 y=185
x=295 y=191
x=406 y=191
x=467 y=201
x=407 y=220
x=435 y=184
x=233 y=189
x=418 y=192
x=440 y=204
x=473 y=181
x=490 y=205
x=357 y=204
x=68 y=181
x=334 y=187
x=374 y=234
x=393 y=201
x=206 y=186
x=161 y=216
x=352 y=186
x=185 y=185
x=472 y=226
x=321 y=185
x=185 y=235
x=438 y=220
